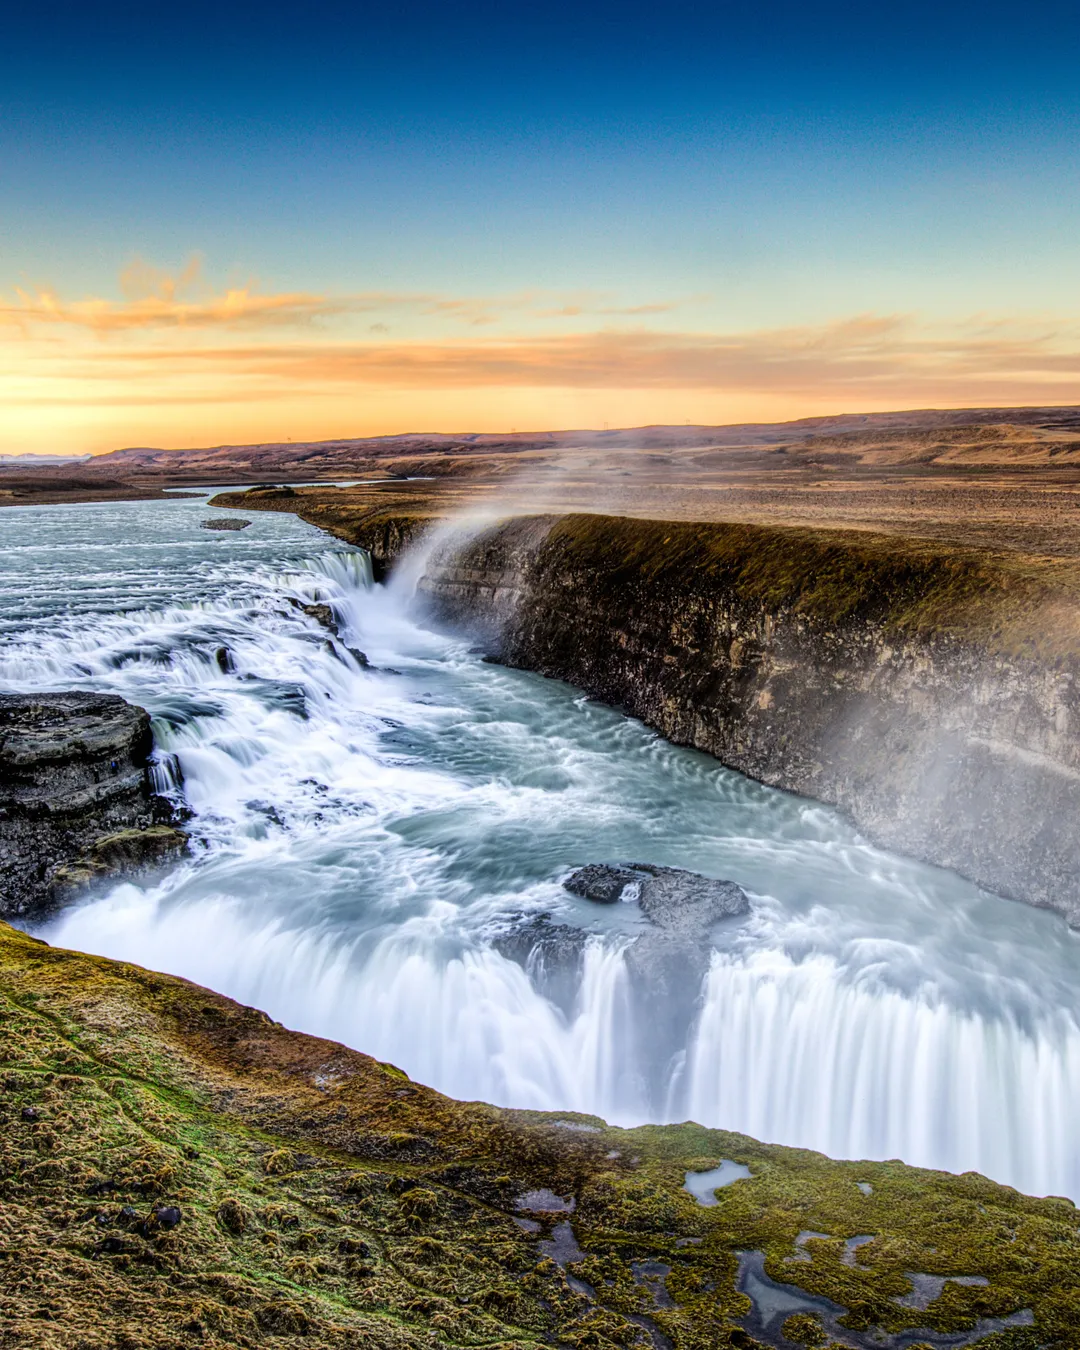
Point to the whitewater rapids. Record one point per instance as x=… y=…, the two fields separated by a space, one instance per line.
x=366 y=834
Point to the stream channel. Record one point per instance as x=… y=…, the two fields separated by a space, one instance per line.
x=368 y=838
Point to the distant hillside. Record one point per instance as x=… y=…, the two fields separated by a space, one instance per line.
x=656 y=459
x=362 y=452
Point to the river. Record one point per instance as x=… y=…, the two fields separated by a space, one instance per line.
x=366 y=835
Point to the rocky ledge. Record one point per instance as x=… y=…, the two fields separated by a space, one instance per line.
x=667 y=958
x=178 y=1170
x=76 y=801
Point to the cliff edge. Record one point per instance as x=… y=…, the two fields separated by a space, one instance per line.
x=178 y=1170
x=930 y=693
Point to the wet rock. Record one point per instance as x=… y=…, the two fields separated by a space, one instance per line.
x=126 y=853
x=667 y=961
x=539 y=940
x=552 y=954
x=30 y=1113
x=225 y=524
x=167 y=1217
x=322 y=614
x=670 y=897
x=359 y=657
x=225 y=661
x=74 y=770
x=603 y=883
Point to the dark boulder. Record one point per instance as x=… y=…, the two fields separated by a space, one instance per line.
x=322 y=614
x=76 y=801
x=672 y=898
x=552 y=954
x=225 y=524
x=670 y=955
x=603 y=883
x=666 y=959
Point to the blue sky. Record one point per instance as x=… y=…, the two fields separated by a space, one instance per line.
x=448 y=176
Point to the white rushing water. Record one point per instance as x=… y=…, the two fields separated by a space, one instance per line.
x=366 y=833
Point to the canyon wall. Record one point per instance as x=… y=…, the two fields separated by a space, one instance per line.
x=930 y=695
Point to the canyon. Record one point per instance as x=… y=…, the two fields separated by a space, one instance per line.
x=928 y=690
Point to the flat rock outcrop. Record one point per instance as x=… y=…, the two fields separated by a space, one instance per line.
x=76 y=801
x=225 y=524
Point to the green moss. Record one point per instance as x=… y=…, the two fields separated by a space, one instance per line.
x=1008 y=602
x=330 y=1202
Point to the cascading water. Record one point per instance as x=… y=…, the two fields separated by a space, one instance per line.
x=368 y=833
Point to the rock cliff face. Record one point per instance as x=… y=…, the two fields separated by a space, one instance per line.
x=933 y=696
x=75 y=796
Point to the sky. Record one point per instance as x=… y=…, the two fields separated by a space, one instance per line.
x=234 y=222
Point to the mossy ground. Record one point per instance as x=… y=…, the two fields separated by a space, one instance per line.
x=1009 y=603
x=326 y=1200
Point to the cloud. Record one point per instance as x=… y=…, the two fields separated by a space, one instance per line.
x=864 y=361
x=863 y=352
x=160 y=306
x=155 y=299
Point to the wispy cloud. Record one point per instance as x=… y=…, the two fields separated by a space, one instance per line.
x=156 y=299
x=868 y=352
x=186 y=387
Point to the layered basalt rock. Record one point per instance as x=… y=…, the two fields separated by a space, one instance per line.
x=931 y=693
x=76 y=800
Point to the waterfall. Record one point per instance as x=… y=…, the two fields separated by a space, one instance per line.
x=365 y=835
x=793 y=1052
